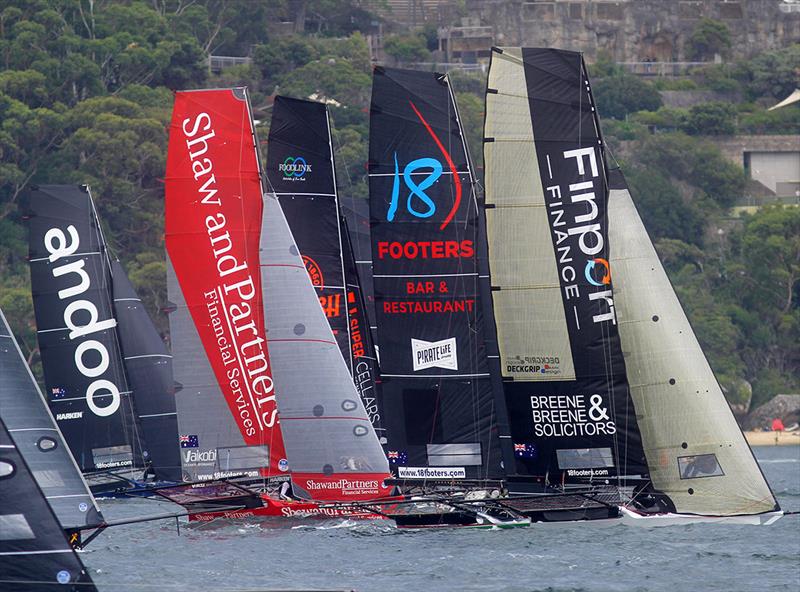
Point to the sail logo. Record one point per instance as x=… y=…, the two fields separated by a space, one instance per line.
x=434 y=354
x=590 y=271
x=575 y=223
x=294 y=168
x=82 y=319
x=192 y=456
x=427 y=206
x=568 y=416
x=314 y=272
x=235 y=327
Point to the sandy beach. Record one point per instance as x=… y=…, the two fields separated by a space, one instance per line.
x=773 y=438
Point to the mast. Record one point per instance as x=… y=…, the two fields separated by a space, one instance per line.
x=227 y=414
x=84 y=372
x=566 y=388
x=34 y=431
x=148 y=365
x=301 y=173
x=440 y=408
x=34 y=552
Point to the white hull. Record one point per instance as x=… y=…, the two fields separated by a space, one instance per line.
x=633 y=518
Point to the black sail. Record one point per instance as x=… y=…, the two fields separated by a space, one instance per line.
x=366 y=372
x=34 y=431
x=149 y=370
x=356 y=211
x=300 y=171
x=440 y=408
x=571 y=414
x=34 y=553
x=84 y=373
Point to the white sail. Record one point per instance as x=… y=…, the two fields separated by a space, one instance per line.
x=696 y=452
x=528 y=307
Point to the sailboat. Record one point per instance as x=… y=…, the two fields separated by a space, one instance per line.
x=607 y=407
x=34 y=552
x=276 y=405
x=441 y=408
x=33 y=429
x=106 y=370
x=300 y=172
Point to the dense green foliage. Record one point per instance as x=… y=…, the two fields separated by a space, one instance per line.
x=85 y=97
x=708 y=39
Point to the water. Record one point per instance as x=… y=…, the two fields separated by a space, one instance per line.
x=374 y=556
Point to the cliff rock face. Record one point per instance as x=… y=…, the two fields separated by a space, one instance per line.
x=637 y=30
x=787 y=407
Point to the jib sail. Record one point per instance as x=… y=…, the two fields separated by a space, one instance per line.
x=567 y=394
x=696 y=452
x=31 y=425
x=149 y=369
x=85 y=378
x=439 y=405
x=300 y=172
x=228 y=418
x=34 y=552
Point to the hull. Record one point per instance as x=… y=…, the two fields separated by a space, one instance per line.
x=631 y=517
x=276 y=508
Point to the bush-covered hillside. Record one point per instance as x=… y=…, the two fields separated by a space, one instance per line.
x=85 y=97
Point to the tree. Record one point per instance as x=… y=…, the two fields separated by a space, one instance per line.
x=773 y=74
x=711 y=119
x=621 y=94
x=708 y=38
x=407 y=48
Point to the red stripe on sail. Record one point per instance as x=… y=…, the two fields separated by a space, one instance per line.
x=450 y=163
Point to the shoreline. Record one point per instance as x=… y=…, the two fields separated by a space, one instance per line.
x=773 y=438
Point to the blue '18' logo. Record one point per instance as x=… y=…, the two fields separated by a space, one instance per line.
x=415 y=190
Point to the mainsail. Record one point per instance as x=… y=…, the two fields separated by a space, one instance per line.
x=34 y=552
x=227 y=414
x=31 y=425
x=440 y=407
x=696 y=452
x=300 y=172
x=149 y=369
x=87 y=389
x=567 y=395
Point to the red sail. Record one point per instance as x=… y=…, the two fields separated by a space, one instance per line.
x=213 y=224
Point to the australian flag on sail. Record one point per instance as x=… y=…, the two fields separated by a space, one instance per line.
x=189 y=441
x=525 y=450
x=58 y=392
x=397 y=457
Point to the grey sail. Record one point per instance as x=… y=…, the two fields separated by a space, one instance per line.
x=696 y=452
x=34 y=431
x=207 y=429
x=326 y=430
x=34 y=553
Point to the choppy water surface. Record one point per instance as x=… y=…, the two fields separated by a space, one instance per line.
x=375 y=556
